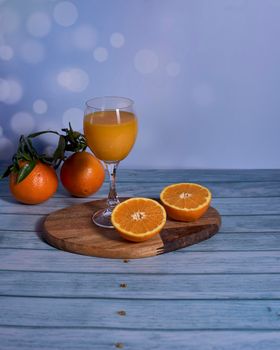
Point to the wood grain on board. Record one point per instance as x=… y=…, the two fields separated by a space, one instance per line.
x=71 y=229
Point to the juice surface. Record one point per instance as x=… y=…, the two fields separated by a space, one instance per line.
x=110 y=138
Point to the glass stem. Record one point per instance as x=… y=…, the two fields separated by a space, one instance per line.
x=113 y=198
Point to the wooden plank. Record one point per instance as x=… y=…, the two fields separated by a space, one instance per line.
x=13 y=338
x=193 y=175
x=221 y=242
x=225 y=206
x=142 y=189
x=13 y=222
x=133 y=286
x=172 y=263
x=233 y=223
x=141 y=314
x=260 y=233
x=197 y=175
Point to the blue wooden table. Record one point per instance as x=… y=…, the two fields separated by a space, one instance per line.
x=220 y=294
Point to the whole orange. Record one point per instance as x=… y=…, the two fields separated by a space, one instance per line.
x=82 y=174
x=37 y=187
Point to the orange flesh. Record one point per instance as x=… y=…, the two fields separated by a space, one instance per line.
x=139 y=216
x=185 y=196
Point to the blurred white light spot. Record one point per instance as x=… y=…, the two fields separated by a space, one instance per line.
x=65 y=13
x=40 y=106
x=6 y=52
x=15 y=92
x=75 y=117
x=146 y=61
x=38 y=24
x=7 y=148
x=32 y=51
x=10 y=91
x=1 y=131
x=100 y=54
x=4 y=90
x=173 y=69
x=117 y=40
x=85 y=37
x=203 y=94
x=22 y=123
x=9 y=21
x=74 y=79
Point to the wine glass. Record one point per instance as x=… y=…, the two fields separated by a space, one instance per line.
x=110 y=128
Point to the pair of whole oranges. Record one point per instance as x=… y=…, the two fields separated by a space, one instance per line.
x=81 y=174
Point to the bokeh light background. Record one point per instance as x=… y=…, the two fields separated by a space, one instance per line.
x=204 y=75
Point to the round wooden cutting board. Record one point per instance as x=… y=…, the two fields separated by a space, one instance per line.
x=72 y=230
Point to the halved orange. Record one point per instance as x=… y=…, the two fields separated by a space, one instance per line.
x=138 y=219
x=185 y=201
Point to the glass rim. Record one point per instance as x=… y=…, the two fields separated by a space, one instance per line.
x=90 y=103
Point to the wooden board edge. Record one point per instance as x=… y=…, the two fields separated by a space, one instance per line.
x=79 y=249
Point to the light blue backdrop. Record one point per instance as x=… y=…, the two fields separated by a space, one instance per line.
x=204 y=75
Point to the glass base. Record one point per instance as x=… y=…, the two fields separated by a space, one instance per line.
x=102 y=218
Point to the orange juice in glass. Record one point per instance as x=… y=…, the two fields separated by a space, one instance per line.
x=110 y=128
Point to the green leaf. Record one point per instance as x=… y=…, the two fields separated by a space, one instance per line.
x=30 y=148
x=26 y=156
x=15 y=164
x=59 y=152
x=21 y=145
x=76 y=134
x=7 y=172
x=46 y=160
x=25 y=171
